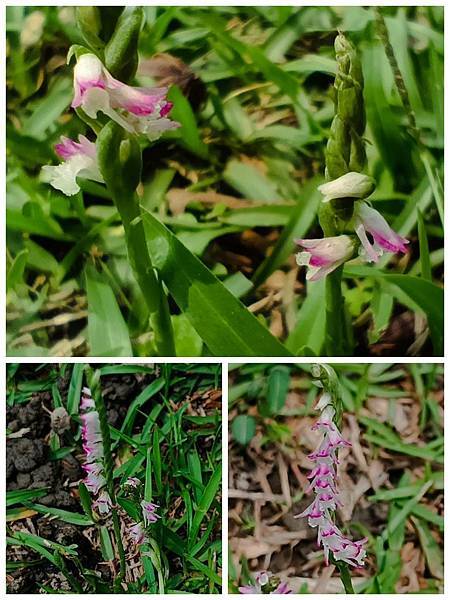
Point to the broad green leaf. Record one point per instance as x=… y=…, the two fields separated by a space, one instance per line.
x=187 y=340
x=222 y=321
x=277 y=389
x=107 y=330
x=74 y=393
x=105 y=544
x=243 y=429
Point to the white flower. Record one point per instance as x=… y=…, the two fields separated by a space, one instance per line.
x=350 y=185
x=324 y=255
x=80 y=160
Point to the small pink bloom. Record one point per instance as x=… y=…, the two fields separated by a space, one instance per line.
x=324 y=483
x=149 y=512
x=103 y=503
x=136 y=109
x=323 y=256
x=282 y=588
x=80 y=160
x=133 y=482
x=249 y=589
x=138 y=534
x=385 y=239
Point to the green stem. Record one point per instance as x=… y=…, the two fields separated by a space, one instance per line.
x=146 y=276
x=344 y=574
x=93 y=380
x=120 y=161
x=335 y=343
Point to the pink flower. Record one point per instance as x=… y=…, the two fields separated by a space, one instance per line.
x=324 y=255
x=94 y=479
x=103 y=503
x=368 y=220
x=249 y=589
x=133 y=482
x=324 y=484
x=93 y=448
x=136 y=109
x=80 y=160
x=149 y=512
x=138 y=534
x=262 y=579
x=92 y=438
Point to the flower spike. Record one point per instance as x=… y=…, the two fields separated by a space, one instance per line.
x=323 y=478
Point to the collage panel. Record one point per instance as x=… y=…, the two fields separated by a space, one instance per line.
x=336 y=478
x=227 y=181
x=113 y=478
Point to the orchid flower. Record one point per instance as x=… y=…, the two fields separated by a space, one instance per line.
x=133 y=482
x=138 y=534
x=323 y=478
x=80 y=160
x=95 y=480
x=324 y=255
x=262 y=580
x=103 y=503
x=385 y=239
x=136 y=109
x=149 y=512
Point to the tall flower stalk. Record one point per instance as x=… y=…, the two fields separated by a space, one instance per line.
x=103 y=437
x=344 y=211
x=118 y=114
x=337 y=548
x=345 y=153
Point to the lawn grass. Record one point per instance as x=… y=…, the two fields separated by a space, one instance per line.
x=168 y=435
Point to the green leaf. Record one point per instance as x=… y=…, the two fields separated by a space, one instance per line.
x=301 y=219
x=424 y=248
x=107 y=330
x=85 y=500
x=187 y=340
x=105 y=544
x=49 y=109
x=22 y=496
x=74 y=393
x=277 y=389
x=433 y=554
x=251 y=182
x=428 y=297
x=309 y=331
x=243 y=429
x=208 y=497
x=16 y=270
x=64 y=515
x=222 y=321
x=188 y=134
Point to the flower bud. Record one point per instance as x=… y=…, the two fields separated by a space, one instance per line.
x=350 y=185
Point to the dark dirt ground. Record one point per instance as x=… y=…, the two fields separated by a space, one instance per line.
x=29 y=467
